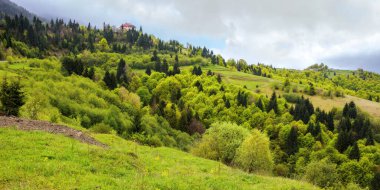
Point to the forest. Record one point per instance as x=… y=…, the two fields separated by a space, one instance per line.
x=159 y=93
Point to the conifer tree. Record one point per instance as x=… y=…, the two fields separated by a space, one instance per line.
x=121 y=74
x=227 y=103
x=110 y=80
x=219 y=78
x=11 y=97
x=176 y=69
x=291 y=141
x=165 y=67
x=354 y=153
x=148 y=71
x=272 y=105
x=260 y=105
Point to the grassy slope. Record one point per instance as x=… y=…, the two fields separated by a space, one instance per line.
x=265 y=86
x=38 y=160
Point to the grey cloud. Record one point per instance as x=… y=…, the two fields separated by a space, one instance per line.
x=291 y=33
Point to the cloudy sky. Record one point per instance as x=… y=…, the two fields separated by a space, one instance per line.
x=284 y=33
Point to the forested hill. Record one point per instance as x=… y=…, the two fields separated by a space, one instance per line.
x=7 y=7
x=162 y=93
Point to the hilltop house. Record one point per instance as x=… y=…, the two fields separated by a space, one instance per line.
x=127 y=26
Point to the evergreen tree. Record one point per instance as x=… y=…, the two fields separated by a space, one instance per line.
x=165 y=67
x=291 y=141
x=354 y=153
x=343 y=141
x=312 y=89
x=227 y=103
x=121 y=74
x=176 y=69
x=219 y=78
x=352 y=112
x=157 y=66
x=330 y=121
x=260 y=105
x=148 y=71
x=11 y=97
x=110 y=80
x=375 y=184
x=272 y=105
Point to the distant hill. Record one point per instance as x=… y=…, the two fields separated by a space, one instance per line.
x=9 y=8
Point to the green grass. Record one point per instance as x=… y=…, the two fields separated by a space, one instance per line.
x=38 y=160
x=265 y=86
x=252 y=82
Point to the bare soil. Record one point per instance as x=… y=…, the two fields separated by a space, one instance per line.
x=32 y=125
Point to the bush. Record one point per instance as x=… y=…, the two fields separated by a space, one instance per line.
x=101 y=128
x=321 y=173
x=254 y=154
x=292 y=98
x=221 y=141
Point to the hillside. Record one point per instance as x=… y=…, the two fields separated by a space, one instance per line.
x=266 y=86
x=7 y=7
x=38 y=160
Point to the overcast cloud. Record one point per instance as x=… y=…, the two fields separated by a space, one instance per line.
x=284 y=33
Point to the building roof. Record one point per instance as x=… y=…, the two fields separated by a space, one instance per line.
x=128 y=25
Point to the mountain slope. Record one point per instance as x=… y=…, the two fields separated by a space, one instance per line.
x=38 y=160
x=9 y=8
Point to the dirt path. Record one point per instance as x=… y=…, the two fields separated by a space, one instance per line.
x=31 y=125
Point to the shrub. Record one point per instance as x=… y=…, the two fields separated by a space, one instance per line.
x=221 y=141
x=321 y=173
x=292 y=98
x=254 y=154
x=101 y=128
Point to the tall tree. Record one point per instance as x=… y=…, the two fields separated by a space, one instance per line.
x=165 y=67
x=291 y=141
x=148 y=71
x=354 y=153
x=121 y=74
x=272 y=105
x=110 y=80
x=176 y=69
x=11 y=97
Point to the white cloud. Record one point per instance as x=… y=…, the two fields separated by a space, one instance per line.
x=291 y=33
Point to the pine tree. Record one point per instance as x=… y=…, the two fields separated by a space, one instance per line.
x=157 y=66
x=352 y=112
x=291 y=141
x=260 y=104
x=227 y=103
x=330 y=121
x=148 y=71
x=121 y=74
x=165 y=67
x=375 y=184
x=176 y=69
x=343 y=141
x=219 y=78
x=110 y=80
x=272 y=105
x=11 y=97
x=354 y=153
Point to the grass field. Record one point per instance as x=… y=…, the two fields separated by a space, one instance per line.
x=265 y=85
x=38 y=160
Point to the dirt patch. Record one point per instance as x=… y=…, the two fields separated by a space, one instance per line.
x=32 y=125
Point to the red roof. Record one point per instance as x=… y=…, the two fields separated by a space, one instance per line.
x=128 y=25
